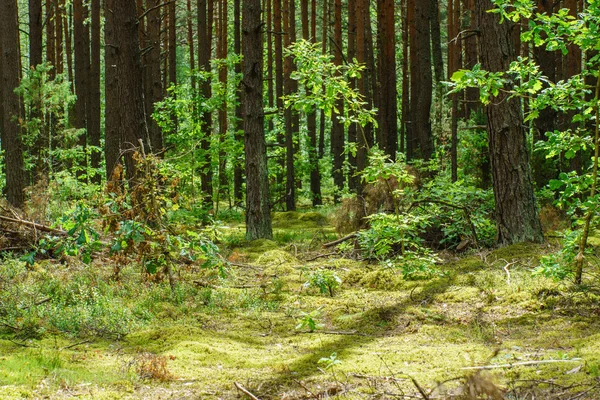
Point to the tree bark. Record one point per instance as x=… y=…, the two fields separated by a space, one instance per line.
x=309 y=33
x=82 y=70
x=421 y=81
x=12 y=105
x=94 y=129
x=125 y=116
x=337 y=128
x=205 y=32
x=388 y=122
x=291 y=116
x=516 y=210
x=238 y=172
x=258 y=213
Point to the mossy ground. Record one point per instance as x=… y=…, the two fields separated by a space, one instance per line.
x=487 y=309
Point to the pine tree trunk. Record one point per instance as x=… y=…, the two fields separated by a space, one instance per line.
x=204 y=56
x=11 y=102
x=290 y=86
x=125 y=116
x=337 y=128
x=309 y=33
x=516 y=210
x=82 y=68
x=421 y=81
x=388 y=125
x=94 y=122
x=258 y=213
x=238 y=172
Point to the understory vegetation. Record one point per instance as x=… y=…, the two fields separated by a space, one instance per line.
x=395 y=294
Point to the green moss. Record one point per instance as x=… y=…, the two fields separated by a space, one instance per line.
x=294 y=219
x=518 y=251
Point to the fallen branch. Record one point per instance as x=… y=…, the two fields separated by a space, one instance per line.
x=520 y=364
x=38 y=303
x=76 y=344
x=34 y=225
x=381 y=378
x=245 y=391
x=341 y=240
x=348 y=333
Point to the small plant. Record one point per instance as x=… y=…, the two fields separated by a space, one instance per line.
x=309 y=320
x=330 y=362
x=324 y=280
x=559 y=265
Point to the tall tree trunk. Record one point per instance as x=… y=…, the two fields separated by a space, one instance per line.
x=94 y=130
x=279 y=81
x=388 y=125
x=35 y=33
x=223 y=123
x=50 y=19
x=12 y=105
x=290 y=86
x=258 y=213
x=205 y=31
x=454 y=64
x=125 y=116
x=153 y=88
x=59 y=47
x=309 y=33
x=337 y=128
x=516 y=210
x=35 y=58
x=190 y=41
x=405 y=78
x=238 y=172
x=353 y=179
x=421 y=80
x=543 y=171
x=67 y=33
x=471 y=103
x=82 y=70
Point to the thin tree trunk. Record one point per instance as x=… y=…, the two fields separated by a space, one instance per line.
x=94 y=122
x=290 y=86
x=82 y=69
x=405 y=77
x=238 y=172
x=337 y=128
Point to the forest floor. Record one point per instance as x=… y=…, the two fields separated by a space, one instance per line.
x=484 y=327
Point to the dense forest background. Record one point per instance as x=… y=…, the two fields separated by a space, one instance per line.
x=301 y=106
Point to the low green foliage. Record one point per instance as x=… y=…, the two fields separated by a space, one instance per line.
x=325 y=280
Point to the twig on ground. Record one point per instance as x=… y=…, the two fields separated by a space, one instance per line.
x=381 y=378
x=311 y=394
x=76 y=344
x=340 y=240
x=349 y=333
x=20 y=344
x=245 y=391
x=520 y=364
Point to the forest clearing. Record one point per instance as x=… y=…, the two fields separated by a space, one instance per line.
x=135 y=339
x=300 y=199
